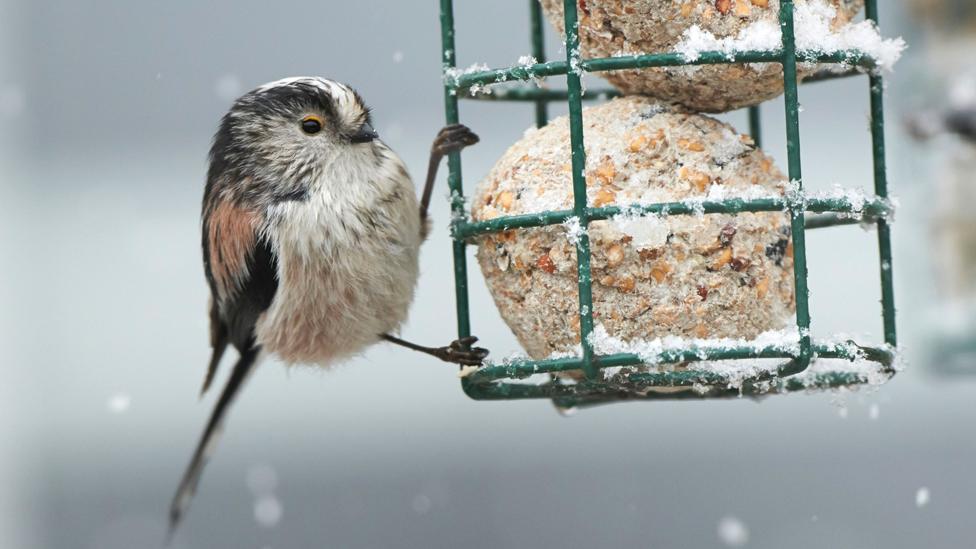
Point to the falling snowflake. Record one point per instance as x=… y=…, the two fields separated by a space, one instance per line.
x=118 y=403
x=267 y=511
x=922 y=497
x=564 y=411
x=733 y=532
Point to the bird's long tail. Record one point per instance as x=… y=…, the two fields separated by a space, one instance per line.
x=208 y=441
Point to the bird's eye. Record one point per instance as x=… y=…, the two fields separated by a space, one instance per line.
x=311 y=125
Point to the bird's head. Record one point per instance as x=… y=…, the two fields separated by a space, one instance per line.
x=285 y=132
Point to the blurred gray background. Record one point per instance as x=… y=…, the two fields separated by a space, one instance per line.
x=106 y=111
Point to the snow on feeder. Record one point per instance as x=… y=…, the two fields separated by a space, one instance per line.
x=610 y=28
x=595 y=360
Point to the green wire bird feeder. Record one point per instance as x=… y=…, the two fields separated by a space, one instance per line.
x=501 y=382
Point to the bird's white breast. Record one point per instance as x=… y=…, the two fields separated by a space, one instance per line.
x=347 y=262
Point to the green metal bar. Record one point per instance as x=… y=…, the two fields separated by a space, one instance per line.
x=539 y=52
x=454 y=174
x=536 y=94
x=827 y=75
x=508 y=74
x=521 y=369
x=881 y=189
x=852 y=57
x=673 y=59
x=871 y=10
x=584 y=393
x=589 y=393
x=870 y=210
x=798 y=231
x=708 y=384
x=539 y=95
x=755 y=126
x=525 y=368
x=579 y=184
x=821 y=221
x=552 y=68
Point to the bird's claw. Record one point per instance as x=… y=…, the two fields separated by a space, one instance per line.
x=454 y=138
x=461 y=352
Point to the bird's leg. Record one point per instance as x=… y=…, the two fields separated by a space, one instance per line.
x=450 y=139
x=458 y=352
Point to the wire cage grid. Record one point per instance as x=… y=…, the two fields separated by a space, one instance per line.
x=489 y=382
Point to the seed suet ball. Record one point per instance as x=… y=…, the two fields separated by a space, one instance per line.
x=694 y=276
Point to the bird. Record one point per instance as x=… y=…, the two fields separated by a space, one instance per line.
x=311 y=231
x=962 y=122
x=956 y=114
x=958 y=121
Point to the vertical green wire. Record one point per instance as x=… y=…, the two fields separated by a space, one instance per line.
x=881 y=189
x=579 y=184
x=755 y=126
x=796 y=177
x=539 y=52
x=454 y=174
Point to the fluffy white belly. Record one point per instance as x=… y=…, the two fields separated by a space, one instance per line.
x=341 y=284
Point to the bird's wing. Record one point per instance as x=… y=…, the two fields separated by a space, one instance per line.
x=241 y=268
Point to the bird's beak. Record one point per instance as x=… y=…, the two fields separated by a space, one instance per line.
x=364 y=134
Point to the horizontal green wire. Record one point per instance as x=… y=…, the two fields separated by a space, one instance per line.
x=594 y=392
x=833 y=220
x=525 y=368
x=552 y=68
x=871 y=209
x=826 y=75
x=526 y=93
x=533 y=93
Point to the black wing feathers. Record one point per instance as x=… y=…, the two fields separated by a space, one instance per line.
x=241 y=311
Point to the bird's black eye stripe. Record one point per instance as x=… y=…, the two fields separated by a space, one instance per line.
x=311 y=125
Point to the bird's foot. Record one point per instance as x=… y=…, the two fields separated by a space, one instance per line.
x=453 y=138
x=461 y=352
